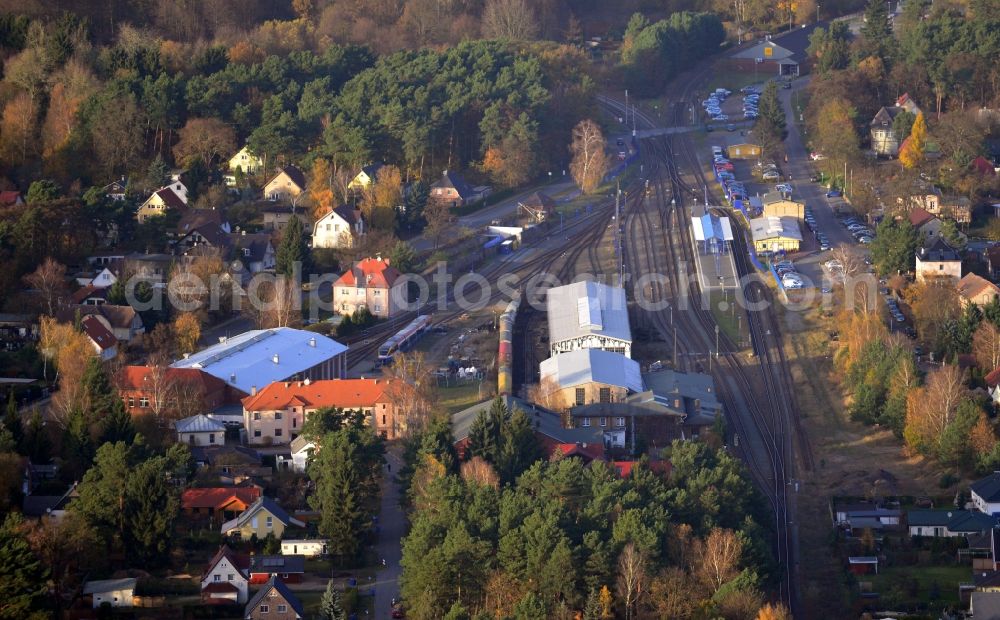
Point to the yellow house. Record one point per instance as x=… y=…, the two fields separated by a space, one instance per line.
x=262 y=517
x=246 y=161
x=740 y=147
x=364 y=178
x=158 y=203
x=286 y=185
x=776 y=205
x=773 y=234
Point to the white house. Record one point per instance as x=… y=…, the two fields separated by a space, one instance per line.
x=246 y=162
x=104 y=342
x=338 y=228
x=115 y=592
x=366 y=177
x=178 y=186
x=302 y=449
x=948 y=523
x=226 y=577
x=201 y=430
x=986 y=494
x=309 y=547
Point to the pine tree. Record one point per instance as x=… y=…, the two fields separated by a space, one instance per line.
x=486 y=434
x=117 y=424
x=519 y=449
x=292 y=249
x=99 y=395
x=592 y=608
x=12 y=419
x=330 y=606
x=336 y=472
x=770 y=125
x=22 y=576
x=876 y=32
x=36 y=444
x=78 y=448
x=151 y=506
x=457 y=612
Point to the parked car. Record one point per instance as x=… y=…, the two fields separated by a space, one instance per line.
x=771 y=175
x=834 y=193
x=816 y=156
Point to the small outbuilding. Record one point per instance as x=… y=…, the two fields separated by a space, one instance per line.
x=115 y=592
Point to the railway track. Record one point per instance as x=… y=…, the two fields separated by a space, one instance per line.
x=759 y=398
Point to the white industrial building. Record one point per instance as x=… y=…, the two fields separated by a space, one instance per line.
x=584 y=366
x=257 y=358
x=588 y=315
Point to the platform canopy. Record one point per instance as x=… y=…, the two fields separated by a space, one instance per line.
x=709 y=226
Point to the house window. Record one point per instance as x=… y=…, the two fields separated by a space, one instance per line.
x=264 y=609
x=256 y=415
x=216 y=578
x=131 y=401
x=378 y=308
x=246 y=251
x=295 y=422
x=282 y=609
x=211 y=438
x=585 y=422
x=256 y=432
x=581 y=396
x=619 y=422
x=277 y=432
x=604 y=422
x=230 y=577
x=277 y=415
x=327 y=228
x=191 y=439
x=143 y=401
x=269 y=522
x=940 y=267
x=605 y=395
x=383 y=419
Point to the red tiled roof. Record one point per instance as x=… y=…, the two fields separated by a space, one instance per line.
x=371 y=272
x=919 y=216
x=215 y=497
x=87 y=292
x=624 y=468
x=135 y=377
x=983 y=166
x=98 y=333
x=9 y=197
x=170 y=198
x=993 y=378
x=238 y=560
x=220 y=587
x=343 y=393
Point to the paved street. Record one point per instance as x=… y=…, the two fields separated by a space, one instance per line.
x=393 y=526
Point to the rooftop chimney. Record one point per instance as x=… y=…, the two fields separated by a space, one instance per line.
x=274 y=358
x=312 y=342
x=232 y=378
x=253 y=390
x=306 y=381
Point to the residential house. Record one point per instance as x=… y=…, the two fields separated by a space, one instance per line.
x=587 y=376
x=974 y=289
x=225 y=579
x=276 y=217
x=218 y=503
x=907 y=103
x=883 y=137
x=262 y=356
x=985 y=494
x=153 y=268
x=254 y=251
x=586 y=315
x=99 y=280
x=150 y=389
x=364 y=178
x=235 y=464
x=927 y=224
x=276 y=414
x=948 y=523
x=115 y=190
x=16 y=330
x=938 y=261
x=274 y=602
x=775 y=234
x=958 y=208
x=114 y=592
x=984 y=606
x=983 y=167
x=289 y=568
x=548 y=427
x=103 y=341
x=865 y=515
x=287 y=185
x=207 y=236
x=992 y=381
x=308 y=547
x=783 y=55
x=194 y=219
x=90 y=296
x=263 y=517
x=159 y=203
x=10 y=198
x=51 y=506
x=537 y=207
x=776 y=205
x=200 y=430
x=372 y=283
x=452 y=189
x=741 y=147
x=244 y=162
x=338 y=228
x=301 y=451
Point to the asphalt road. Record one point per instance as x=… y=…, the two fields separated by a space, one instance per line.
x=392 y=524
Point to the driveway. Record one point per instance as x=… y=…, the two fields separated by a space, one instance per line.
x=392 y=528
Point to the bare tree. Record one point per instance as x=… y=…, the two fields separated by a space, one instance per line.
x=478 y=471
x=932 y=408
x=440 y=220
x=509 y=19
x=204 y=139
x=49 y=279
x=719 y=559
x=273 y=302
x=986 y=346
x=412 y=390
x=631 y=578
x=590 y=162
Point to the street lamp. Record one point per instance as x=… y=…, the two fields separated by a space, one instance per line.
x=817 y=13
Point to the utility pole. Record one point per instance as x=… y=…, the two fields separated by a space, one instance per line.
x=626 y=107
x=676 y=367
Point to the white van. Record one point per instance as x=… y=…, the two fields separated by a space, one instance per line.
x=716 y=150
